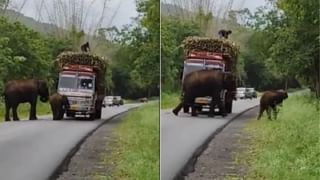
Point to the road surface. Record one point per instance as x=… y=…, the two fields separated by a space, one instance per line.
x=32 y=150
x=181 y=135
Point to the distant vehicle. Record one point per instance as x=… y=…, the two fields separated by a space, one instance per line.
x=250 y=93
x=117 y=100
x=144 y=99
x=241 y=93
x=108 y=101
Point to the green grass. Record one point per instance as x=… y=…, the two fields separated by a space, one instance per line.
x=136 y=153
x=24 y=109
x=286 y=148
x=169 y=100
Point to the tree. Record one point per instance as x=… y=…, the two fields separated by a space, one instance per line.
x=292 y=28
x=24 y=53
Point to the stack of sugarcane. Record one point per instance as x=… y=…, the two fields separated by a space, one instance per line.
x=69 y=57
x=194 y=43
x=99 y=64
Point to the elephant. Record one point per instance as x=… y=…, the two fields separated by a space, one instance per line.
x=59 y=105
x=22 y=91
x=206 y=83
x=269 y=100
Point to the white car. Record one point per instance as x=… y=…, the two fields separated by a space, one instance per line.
x=108 y=101
x=241 y=93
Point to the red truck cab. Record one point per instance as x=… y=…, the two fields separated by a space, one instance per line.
x=77 y=82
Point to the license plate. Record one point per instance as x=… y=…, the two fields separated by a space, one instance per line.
x=74 y=107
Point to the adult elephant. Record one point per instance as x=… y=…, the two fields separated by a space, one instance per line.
x=59 y=105
x=22 y=91
x=269 y=101
x=206 y=83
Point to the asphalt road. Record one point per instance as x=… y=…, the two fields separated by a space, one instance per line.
x=181 y=135
x=32 y=150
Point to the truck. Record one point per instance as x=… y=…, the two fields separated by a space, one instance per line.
x=82 y=80
x=210 y=53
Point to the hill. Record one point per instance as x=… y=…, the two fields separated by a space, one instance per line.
x=43 y=28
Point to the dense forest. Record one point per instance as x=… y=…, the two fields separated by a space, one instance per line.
x=28 y=49
x=279 y=42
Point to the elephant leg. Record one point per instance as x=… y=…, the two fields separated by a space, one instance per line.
x=54 y=114
x=212 y=106
x=14 y=112
x=178 y=108
x=260 y=112
x=60 y=113
x=221 y=106
x=7 y=115
x=33 y=110
x=269 y=112
x=193 y=108
x=275 y=111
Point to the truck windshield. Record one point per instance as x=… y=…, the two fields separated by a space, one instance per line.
x=68 y=81
x=85 y=83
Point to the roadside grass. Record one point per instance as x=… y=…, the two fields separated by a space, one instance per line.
x=24 y=109
x=169 y=100
x=135 y=155
x=286 y=148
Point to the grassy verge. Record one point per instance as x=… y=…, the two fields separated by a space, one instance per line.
x=24 y=109
x=136 y=153
x=286 y=148
x=169 y=100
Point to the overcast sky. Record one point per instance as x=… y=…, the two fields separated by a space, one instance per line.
x=121 y=10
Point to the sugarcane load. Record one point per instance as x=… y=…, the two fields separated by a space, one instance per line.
x=82 y=80
x=209 y=74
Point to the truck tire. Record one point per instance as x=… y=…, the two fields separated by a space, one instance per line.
x=70 y=114
x=228 y=106
x=91 y=116
x=98 y=114
x=199 y=108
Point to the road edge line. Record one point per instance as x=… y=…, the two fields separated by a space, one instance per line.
x=190 y=164
x=64 y=165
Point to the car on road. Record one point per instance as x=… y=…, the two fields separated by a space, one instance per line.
x=241 y=93
x=117 y=101
x=108 y=101
x=250 y=93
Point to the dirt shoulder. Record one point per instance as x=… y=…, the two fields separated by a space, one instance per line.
x=218 y=161
x=87 y=163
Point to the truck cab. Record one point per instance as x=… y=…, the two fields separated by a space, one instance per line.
x=77 y=82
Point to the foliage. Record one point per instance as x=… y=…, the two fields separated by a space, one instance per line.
x=173 y=32
x=286 y=148
x=289 y=32
x=136 y=67
x=137 y=149
x=169 y=100
x=22 y=51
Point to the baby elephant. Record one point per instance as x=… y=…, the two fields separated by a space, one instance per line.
x=269 y=101
x=59 y=104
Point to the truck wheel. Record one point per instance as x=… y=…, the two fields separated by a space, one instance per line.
x=98 y=114
x=199 y=108
x=228 y=106
x=91 y=117
x=186 y=109
x=70 y=114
